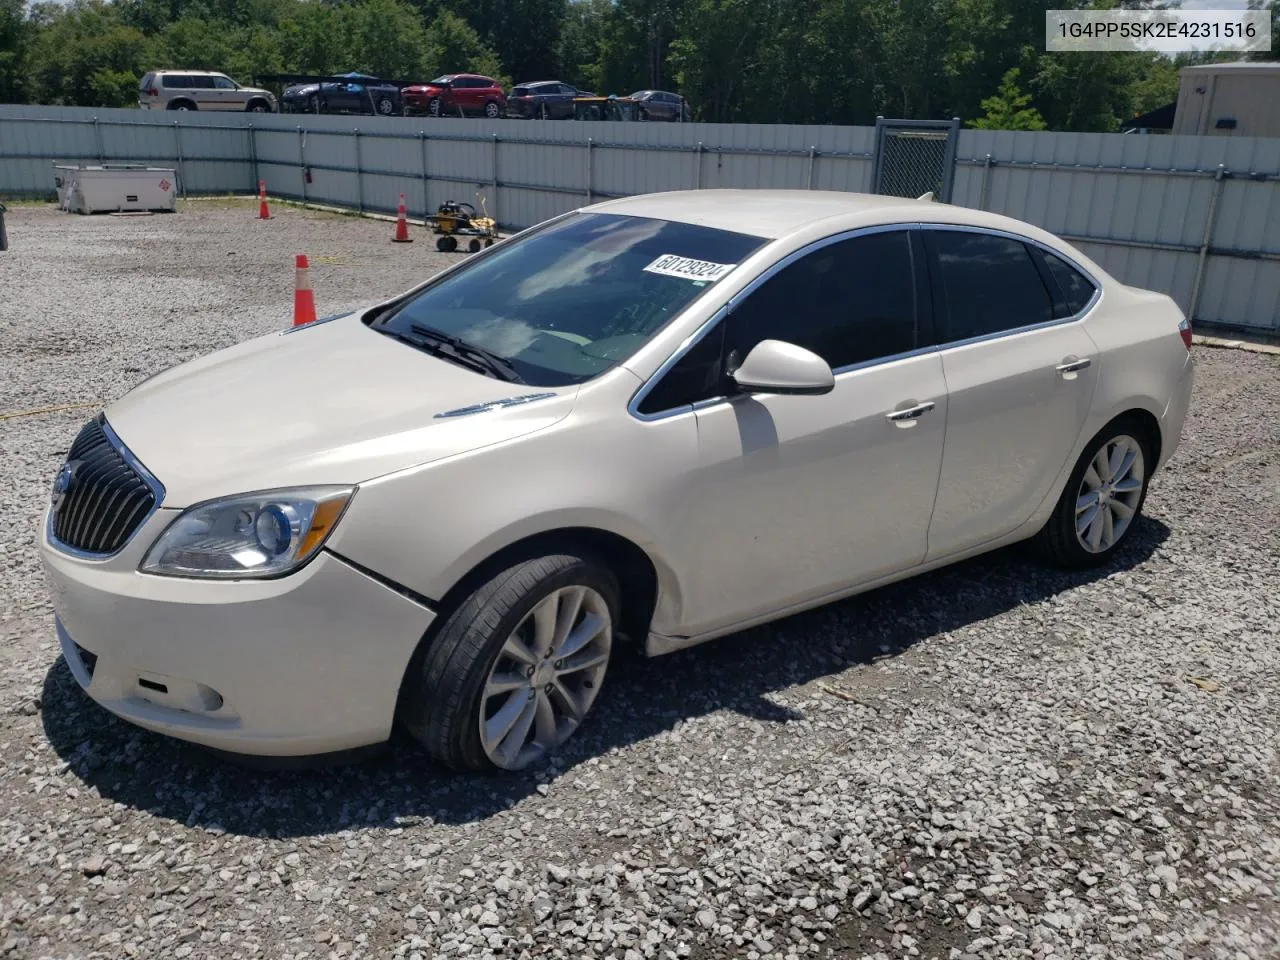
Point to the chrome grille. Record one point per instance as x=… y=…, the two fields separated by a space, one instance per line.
x=102 y=493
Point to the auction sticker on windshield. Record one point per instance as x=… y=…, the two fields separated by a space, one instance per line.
x=686 y=268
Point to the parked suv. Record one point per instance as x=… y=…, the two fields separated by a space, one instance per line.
x=454 y=93
x=200 y=90
x=544 y=100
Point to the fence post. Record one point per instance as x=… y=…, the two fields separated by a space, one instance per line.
x=253 y=153
x=808 y=176
x=493 y=213
x=590 y=144
x=697 y=168
x=1210 y=220
x=182 y=171
x=97 y=139
x=359 y=175
x=302 y=163
x=986 y=182
x=426 y=175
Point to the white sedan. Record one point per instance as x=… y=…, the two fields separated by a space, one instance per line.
x=664 y=418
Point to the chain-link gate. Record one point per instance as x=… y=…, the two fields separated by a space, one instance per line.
x=915 y=157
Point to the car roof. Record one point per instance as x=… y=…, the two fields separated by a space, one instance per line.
x=778 y=213
x=198 y=73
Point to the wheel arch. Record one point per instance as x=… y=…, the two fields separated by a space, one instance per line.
x=177 y=102
x=637 y=573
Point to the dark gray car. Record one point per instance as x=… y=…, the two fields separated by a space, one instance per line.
x=544 y=100
x=660 y=105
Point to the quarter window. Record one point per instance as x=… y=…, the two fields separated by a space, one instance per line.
x=1075 y=287
x=849 y=302
x=986 y=284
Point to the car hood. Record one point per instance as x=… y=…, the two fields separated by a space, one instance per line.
x=336 y=403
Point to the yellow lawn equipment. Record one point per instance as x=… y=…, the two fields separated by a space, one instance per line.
x=453 y=220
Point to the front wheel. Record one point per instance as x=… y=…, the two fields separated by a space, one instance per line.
x=1102 y=499
x=516 y=667
x=433 y=107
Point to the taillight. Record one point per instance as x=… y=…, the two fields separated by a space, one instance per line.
x=1184 y=330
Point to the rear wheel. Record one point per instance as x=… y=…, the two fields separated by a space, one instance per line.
x=447 y=244
x=492 y=110
x=1102 y=498
x=474 y=245
x=386 y=106
x=259 y=106
x=515 y=669
x=183 y=105
x=433 y=107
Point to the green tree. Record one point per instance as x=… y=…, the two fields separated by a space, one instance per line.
x=15 y=37
x=1010 y=108
x=525 y=34
x=578 y=57
x=82 y=55
x=452 y=44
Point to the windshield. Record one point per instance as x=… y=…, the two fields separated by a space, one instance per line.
x=567 y=302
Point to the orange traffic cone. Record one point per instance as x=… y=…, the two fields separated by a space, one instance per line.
x=402 y=225
x=304 y=300
x=263 y=212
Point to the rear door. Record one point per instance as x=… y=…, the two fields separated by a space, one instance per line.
x=471 y=96
x=1020 y=372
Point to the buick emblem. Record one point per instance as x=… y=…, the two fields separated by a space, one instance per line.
x=63 y=482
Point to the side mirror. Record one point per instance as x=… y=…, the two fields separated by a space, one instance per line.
x=775 y=366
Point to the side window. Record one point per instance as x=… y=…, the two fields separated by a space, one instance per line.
x=848 y=302
x=223 y=83
x=1075 y=287
x=175 y=81
x=985 y=284
x=202 y=83
x=695 y=376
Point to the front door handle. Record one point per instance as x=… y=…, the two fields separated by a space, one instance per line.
x=1071 y=366
x=908 y=416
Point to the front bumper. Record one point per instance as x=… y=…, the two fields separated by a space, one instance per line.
x=306 y=664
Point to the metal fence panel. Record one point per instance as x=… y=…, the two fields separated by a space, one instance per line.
x=1138 y=205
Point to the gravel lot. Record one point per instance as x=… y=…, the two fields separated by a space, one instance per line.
x=996 y=760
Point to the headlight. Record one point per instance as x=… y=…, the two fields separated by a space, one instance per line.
x=254 y=535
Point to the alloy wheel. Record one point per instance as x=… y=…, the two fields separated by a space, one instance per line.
x=546 y=677
x=1110 y=493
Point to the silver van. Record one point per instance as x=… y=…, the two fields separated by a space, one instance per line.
x=200 y=90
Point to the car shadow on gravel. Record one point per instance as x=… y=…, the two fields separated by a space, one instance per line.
x=400 y=786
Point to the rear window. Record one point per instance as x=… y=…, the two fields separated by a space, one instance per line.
x=565 y=303
x=148 y=82
x=520 y=92
x=1075 y=287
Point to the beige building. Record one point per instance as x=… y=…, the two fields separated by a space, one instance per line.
x=1229 y=100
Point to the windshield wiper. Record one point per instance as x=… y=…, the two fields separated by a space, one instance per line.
x=496 y=364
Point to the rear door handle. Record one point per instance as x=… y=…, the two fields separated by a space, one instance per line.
x=1073 y=365
x=907 y=416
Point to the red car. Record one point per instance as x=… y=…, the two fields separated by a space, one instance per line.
x=454 y=93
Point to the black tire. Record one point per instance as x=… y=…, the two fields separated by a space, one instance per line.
x=440 y=699
x=183 y=105
x=474 y=245
x=1057 y=542
x=386 y=106
x=489 y=242
x=433 y=107
x=258 y=106
x=492 y=110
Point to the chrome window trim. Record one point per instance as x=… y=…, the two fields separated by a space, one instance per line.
x=690 y=341
x=157 y=491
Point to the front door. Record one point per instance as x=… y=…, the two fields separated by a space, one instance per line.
x=1020 y=374
x=795 y=497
